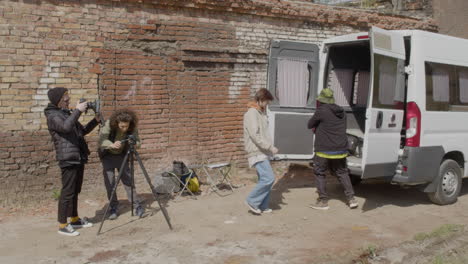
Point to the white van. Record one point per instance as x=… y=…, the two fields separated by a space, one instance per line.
x=405 y=93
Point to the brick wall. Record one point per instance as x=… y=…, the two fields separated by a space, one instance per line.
x=187 y=67
x=452 y=17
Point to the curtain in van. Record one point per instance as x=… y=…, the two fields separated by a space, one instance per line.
x=293 y=82
x=362 y=88
x=387 y=81
x=463 y=85
x=341 y=83
x=440 y=85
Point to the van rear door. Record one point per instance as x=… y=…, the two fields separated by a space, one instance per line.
x=384 y=114
x=292 y=79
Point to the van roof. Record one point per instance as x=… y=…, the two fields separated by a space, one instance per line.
x=362 y=36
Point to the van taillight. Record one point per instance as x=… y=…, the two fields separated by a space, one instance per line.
x=363 y=37
x=413 y=125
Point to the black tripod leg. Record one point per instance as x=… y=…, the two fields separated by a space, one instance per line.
x=132 y=171
x=163 y=209
x=113 y=190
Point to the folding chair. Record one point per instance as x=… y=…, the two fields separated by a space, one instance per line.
x=179 y=180
x=221 y=175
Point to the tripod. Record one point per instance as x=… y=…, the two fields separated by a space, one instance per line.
x=129 y=156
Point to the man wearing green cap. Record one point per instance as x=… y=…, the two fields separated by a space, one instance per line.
x=329 y=125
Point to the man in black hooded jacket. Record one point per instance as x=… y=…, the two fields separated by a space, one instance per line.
x=71 y=152
x=329 y=125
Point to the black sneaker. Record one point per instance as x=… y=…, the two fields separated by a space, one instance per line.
x=81 y=223
x=113 y=214
x=68 y=231
x=139 y=211
x=320 y=205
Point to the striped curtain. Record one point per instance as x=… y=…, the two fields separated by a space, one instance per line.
x=463 y=82
x=387 y=81
x=293 y=82
x=362 y=88
x=341 y=83
x=440 y=85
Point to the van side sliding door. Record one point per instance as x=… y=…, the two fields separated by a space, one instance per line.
x=292 y=79
x=384 y=114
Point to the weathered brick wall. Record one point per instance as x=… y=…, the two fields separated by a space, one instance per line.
x=452 y=17
x=187 y=67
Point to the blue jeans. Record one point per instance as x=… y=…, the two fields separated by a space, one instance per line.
x=259 y=197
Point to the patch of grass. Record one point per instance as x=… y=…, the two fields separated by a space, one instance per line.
x=438 y=260
x=372 y=251
x=442 y=231
x=55 y=194
x=368 y=3
x=368 y=253
x=458 y=256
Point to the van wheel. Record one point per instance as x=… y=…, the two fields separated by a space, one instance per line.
x=355 y=179
x=449 y=185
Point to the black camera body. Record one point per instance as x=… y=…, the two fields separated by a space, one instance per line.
x=95 y=105
x=131 y=139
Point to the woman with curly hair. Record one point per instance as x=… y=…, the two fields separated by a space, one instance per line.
x=112 y=151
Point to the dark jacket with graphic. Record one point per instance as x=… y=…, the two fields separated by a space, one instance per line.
x=68 y=134
x=329 y=122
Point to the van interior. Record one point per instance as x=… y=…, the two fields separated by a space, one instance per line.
x=348 y=75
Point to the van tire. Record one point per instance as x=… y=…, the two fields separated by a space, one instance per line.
x=449 y=183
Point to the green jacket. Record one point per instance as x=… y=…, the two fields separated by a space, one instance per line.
x=108 y=137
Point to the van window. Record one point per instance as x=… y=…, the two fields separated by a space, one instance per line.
x=446 y=87
x=293 y=75
x=293 y=82
x=387 y=91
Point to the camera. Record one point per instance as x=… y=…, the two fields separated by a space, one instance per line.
x=95 y=106
x=130 y=139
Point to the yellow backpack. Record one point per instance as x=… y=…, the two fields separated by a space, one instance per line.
x=193 y=183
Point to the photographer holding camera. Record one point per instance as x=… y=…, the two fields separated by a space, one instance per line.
x=113 y=144
x=71 y=153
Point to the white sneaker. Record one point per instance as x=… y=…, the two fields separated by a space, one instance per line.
x=267 y=211
x=68 y=231
x=252 y=209
x=320 y=205
x=353 y=203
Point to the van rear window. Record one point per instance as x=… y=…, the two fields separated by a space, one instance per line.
x=388 y=89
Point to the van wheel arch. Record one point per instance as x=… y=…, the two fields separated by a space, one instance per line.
x=448 y=182
x=456 y=156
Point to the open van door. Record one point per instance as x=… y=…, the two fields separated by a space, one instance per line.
x=292 y=79
x=384 y=114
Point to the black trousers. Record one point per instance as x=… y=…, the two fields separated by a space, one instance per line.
x=337 y=167
x=110 y=163
x=72 y=180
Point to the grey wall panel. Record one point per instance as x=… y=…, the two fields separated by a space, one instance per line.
x=292 y=135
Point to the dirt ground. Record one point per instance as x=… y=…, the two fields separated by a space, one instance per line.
x=219 y=229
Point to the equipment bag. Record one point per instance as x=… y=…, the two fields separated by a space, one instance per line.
x=180 y=169
x=193 y=183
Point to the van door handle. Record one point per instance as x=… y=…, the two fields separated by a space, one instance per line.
x=378 y=124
